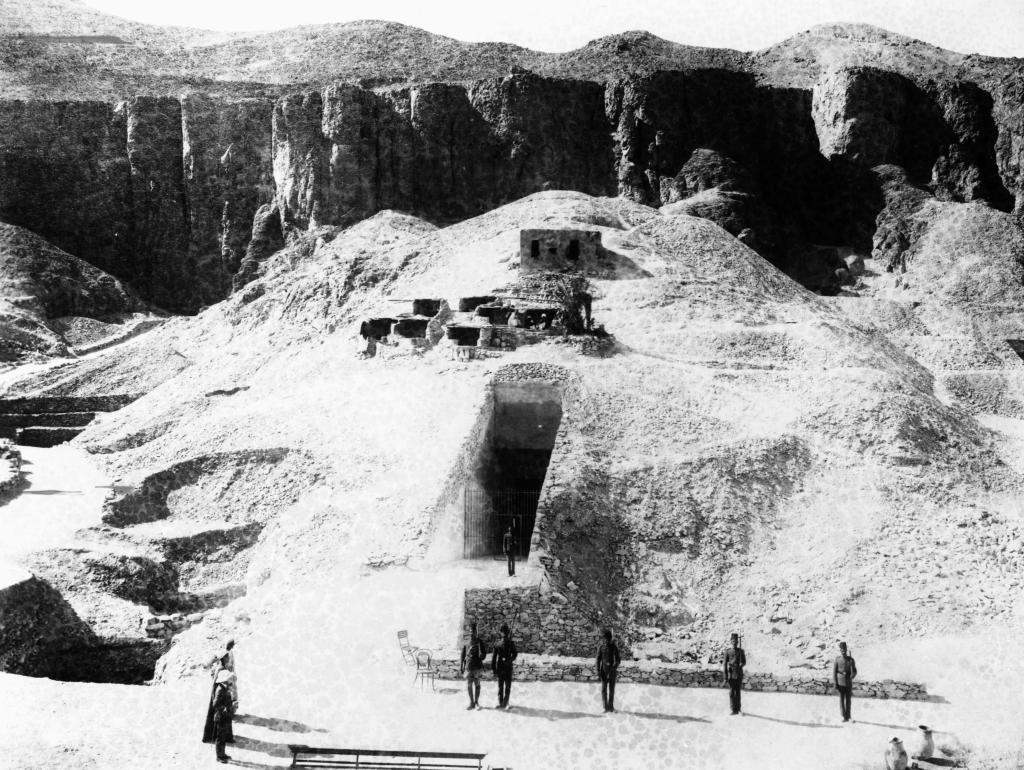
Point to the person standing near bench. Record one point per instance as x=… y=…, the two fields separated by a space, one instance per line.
x=608 y=661
x=844 y=671
x=502 y=659
x=508 y=547
x=472 y=663
x=734 y=661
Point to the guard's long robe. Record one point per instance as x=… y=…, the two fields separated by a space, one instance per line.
x=209 y=731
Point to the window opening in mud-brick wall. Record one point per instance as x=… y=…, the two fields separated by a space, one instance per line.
x=511 y=467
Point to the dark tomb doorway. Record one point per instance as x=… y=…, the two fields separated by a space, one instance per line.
x=511 y=467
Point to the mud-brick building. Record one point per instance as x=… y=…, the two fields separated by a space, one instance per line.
x=558 y=250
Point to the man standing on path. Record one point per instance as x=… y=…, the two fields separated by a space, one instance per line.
x=735 y=660
x=472 y=663
x=220 y=709
x=508 y=547
x=222 y=713
x=607 y=669
x=505 y=654
x=844 y=671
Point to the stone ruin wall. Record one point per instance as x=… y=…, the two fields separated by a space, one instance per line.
x=589 y=244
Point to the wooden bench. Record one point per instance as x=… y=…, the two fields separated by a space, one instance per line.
x=377 y=759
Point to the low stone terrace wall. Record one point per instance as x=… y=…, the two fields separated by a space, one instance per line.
x=545 y=624
x=10 y=467
x=530 y=668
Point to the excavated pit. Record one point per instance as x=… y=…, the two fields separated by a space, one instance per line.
x=45 y=637
x=170 y=549
x=511 y=466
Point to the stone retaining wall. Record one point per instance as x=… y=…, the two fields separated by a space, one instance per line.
x=544 y=622
x=116 y=339
x=546 y=669
x=46 y=404
x=10 y=467
x=45 y=436
x=195 y=608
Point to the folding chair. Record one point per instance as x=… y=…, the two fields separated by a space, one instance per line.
x=408 y=651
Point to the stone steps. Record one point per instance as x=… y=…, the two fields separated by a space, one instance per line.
x=45 y=436
x=47 y=420
x=50 y=404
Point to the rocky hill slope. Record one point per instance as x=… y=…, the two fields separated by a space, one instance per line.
x=50 y=299
x=750 y=457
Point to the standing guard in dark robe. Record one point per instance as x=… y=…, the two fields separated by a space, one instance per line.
x=504 y=656
x=734 y=661
x=223 y=710
x=222 y=680
x=608 y=661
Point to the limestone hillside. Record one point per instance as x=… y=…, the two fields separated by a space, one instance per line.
x=747 y=456
x=178 y=159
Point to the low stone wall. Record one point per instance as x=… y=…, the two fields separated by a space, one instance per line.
x=123 y=336
x=10 y=467
x=544 y=622
x=167 y=625
x=547 y=669
x=46 y=436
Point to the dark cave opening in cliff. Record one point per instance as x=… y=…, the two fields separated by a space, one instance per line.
x=510 y=468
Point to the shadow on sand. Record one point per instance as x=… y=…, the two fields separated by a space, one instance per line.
x=269 y=748
x=552 y=714
x=665 y=717
x=276 y=724
x=791 y=722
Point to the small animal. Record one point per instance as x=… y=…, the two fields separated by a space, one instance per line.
x=895 y=755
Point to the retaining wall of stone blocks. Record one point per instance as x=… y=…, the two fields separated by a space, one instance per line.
x=530 y=668
x=544 y=621
x=10 y=467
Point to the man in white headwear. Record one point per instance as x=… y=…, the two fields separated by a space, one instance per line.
x=218 y=729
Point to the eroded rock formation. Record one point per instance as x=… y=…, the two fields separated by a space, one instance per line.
x=161 y=185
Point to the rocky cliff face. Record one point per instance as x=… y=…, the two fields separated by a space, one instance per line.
x=162 y=190
x=443 y=151
x=158 y=191
x=943 y=134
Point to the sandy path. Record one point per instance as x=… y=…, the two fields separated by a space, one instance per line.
x=550 y=726
x=63 y=494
